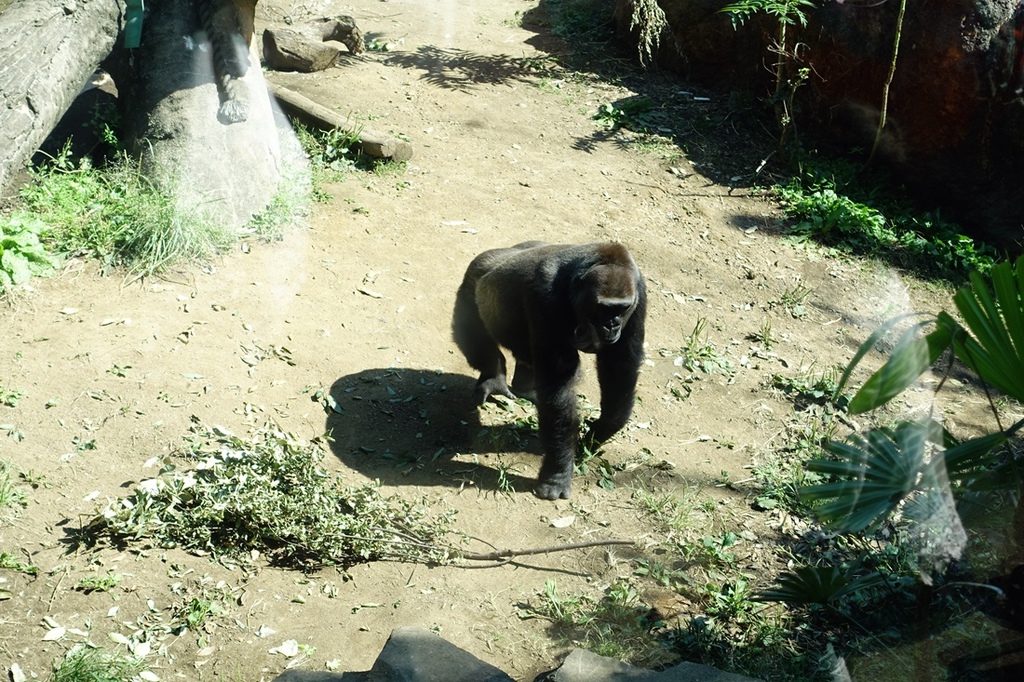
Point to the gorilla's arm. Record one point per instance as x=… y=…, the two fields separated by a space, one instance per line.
x=618 y=368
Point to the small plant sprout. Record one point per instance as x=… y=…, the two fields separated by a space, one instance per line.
x=100 y=583
x=10 y=494
x=793 y=300
x=764 y=335
x=699 y=353
x=10 y=397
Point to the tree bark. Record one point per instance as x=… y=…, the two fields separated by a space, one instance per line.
x=213 y=146
x=50 y=50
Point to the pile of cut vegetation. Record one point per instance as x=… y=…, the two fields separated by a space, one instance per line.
x=269 y=495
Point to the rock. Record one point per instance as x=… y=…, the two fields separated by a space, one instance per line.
x=414 y=654
x=695 y=672
x=584 y=666
x=320 y=676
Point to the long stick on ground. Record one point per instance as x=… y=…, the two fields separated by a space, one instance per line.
x=507 y=553
x=373 y=143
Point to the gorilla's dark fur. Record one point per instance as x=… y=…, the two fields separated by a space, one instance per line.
x=545 y=303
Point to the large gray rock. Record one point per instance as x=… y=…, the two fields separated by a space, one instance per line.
x=414 y=654
x=320 y=676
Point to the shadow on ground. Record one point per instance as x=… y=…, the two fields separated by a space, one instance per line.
x=454 y=69
x=419 y=427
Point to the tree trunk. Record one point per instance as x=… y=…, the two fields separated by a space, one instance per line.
x=198 y=111
x=50 y=50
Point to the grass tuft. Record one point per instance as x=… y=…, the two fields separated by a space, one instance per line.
x=10 y=494
x=117 y=216
x=86 y=664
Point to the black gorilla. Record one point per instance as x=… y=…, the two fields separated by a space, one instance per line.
x=545 y=303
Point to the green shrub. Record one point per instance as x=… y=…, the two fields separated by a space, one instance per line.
x=22 y=253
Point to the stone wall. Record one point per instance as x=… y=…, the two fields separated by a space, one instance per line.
x=955 y=119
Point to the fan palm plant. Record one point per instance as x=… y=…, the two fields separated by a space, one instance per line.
x=919 y=466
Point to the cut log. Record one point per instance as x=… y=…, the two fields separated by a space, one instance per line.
x=50 y=51
x=302 y=47
x=372 y=143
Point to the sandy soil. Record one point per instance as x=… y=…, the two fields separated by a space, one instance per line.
x=362 y=298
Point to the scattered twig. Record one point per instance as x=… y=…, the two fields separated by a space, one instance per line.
x=55 y=588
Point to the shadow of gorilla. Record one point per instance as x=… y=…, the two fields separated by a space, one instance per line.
x=419 y=427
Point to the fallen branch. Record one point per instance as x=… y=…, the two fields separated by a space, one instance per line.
x=508 y=553
x=372 y=143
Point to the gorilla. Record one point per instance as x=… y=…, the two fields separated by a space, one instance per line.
x=545 y=303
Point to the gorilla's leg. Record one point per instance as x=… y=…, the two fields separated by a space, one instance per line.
x=475 y=342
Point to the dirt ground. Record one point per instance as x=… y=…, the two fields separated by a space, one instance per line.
x=362 y=297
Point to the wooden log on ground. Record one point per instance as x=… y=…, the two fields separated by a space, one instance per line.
x=302 y=47
x=372 y=143
x=50 y=49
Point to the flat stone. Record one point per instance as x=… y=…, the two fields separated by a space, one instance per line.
x=414 y=654
x=695 y=672
x=320 y=676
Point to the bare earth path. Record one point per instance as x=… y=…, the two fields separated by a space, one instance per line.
x=361 y=300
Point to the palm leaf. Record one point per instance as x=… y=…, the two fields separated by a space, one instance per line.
x=866 y=347
x=817 y=585
x=871 y=476
x=964 y=460
x=912 y=355
x=995 y=320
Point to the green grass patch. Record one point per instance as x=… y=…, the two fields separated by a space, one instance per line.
x=117 y=216
x=615 y=625
x=830 y=206
x=99 y=583
x=290 y=205
x=336 y=154
x=331 y=152
x=13 y=563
